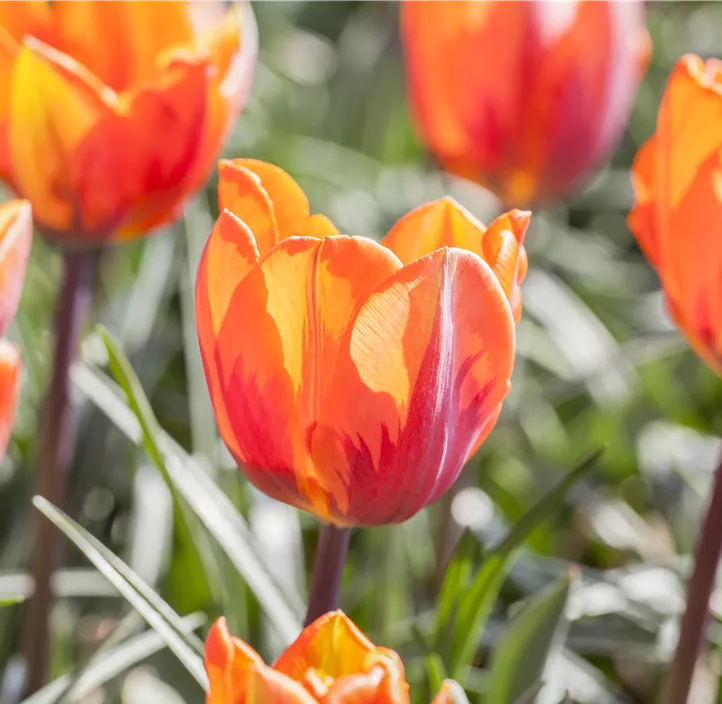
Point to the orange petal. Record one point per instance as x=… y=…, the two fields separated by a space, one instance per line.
x=441 y=223
x=20 y=18
x=9 y=381
x=54 y=105
x=16 y=233
x=229 y=254
x=642 y=218
x=451 y=693
x=318 y=226
x=277 y=349
x=332 y=644
x=120 y=42
x=265 y=197
x=237 y=674
x=131 y=171
x=419 y=377
x=378 y=685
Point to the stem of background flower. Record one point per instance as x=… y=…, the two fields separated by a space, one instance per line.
x=327 y=570
x=55 y=447
x=676 y=686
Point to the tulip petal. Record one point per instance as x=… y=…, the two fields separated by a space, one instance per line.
x=54 y=105
x=276 y=351
x=237 y=674
x=332 y=644
x=265 y=197
x=642 y=218
x=441 y=223
x=229 y=254
x=16 y=232
x=132 y=36
x=451 y=693
x=20 y=18
x=9 y=379
x=318 y=226
x=376 y=685
x=139 y=188
x=422 y=373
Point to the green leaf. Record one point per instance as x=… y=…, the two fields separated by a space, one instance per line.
x=435 y=671
x=195 y=486
x=518 y=661
x=476 y=602
x=11 y=600
x=105 y=666
x=157 y=614
x=530 y=695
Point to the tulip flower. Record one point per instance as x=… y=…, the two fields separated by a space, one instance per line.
x=332 y=662
x=16 y=231
x=112 y=112
x=523 y=97
x=676 y=216
x=348 y=378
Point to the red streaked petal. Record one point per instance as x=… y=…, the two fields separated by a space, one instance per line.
x=9 y=381
x=422 y=372
x=16 y=233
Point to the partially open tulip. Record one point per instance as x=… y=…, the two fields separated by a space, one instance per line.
x=348 y=378
x=525 y=97
x=112 y=112
x=677 y=216
x=331 y=662
x=16 y=231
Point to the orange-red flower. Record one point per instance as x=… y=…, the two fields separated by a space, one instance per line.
x=348 y=378
x=524 y=97
x=112 y=112
x=16 y=231
x=331 y=662
x=677 y=178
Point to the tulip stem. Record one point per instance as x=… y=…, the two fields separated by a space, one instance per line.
x=676 y=687
x=327 y=570
x=55 y=448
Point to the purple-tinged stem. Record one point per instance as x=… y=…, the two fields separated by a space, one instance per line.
x=55 y=448
x=327 y=570
x=693 y=629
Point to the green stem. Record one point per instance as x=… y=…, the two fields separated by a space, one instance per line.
x=55 y=448
x=327 y=570
x=676 y=686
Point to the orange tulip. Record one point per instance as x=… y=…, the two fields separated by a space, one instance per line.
x=331 y=662
x=678 y=186
x=112 y=112
x=351 y=379
x=16 y=231
x=523 y=97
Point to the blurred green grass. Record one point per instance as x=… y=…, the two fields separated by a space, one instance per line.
x=598 y=362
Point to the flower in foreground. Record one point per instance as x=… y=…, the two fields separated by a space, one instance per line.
x=16 y=231
x=677 y=216
x=524 y=97
x=331 y=662
x=348 y=378
x=112 y=112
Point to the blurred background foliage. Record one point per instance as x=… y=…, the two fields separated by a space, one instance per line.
x=598 y=361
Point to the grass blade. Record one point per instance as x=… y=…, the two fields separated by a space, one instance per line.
x=159 y=616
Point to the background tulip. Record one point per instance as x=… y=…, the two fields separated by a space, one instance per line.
x=331 y=661
x=524 y=97
x=346 y=380
x=112 y=112
x=677 y=182
x=16 y=231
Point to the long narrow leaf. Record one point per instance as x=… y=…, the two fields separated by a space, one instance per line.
x=519 y=658
x=201 y=494
x=477 y=601
x=106 y=666
x=147 y=603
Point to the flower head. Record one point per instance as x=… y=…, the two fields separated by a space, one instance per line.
x=677 y=179
x=332 y=662
x=349 y=378
x=524 y=97
x=112 y=112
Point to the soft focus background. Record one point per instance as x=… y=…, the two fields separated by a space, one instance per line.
x=598 y=362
